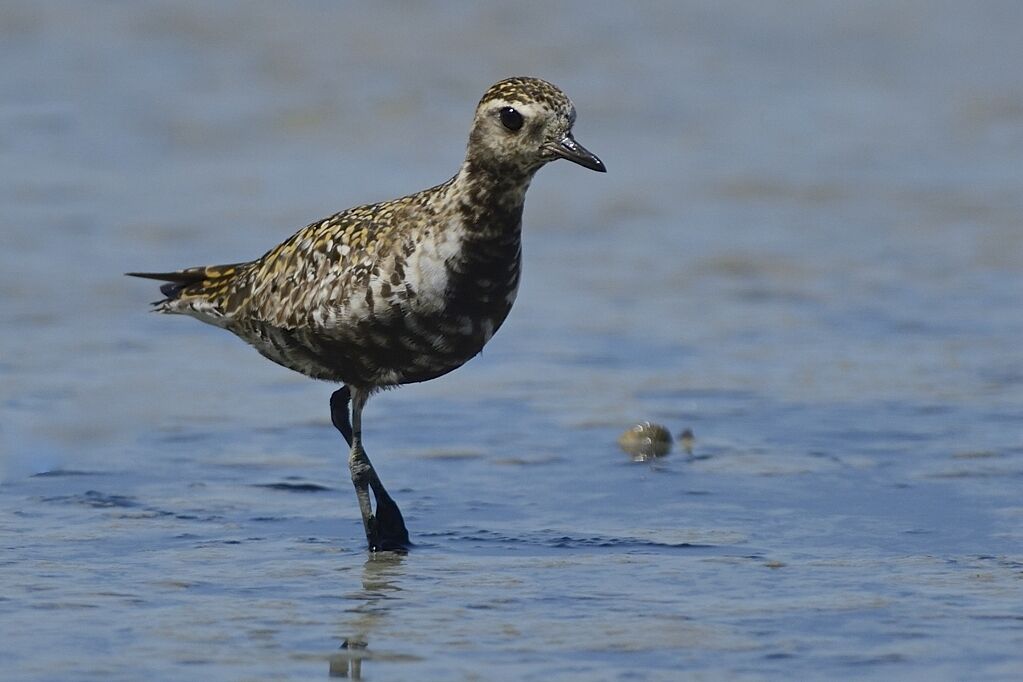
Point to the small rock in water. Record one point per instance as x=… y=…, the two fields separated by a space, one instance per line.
x=686 y=440
x=646 y=440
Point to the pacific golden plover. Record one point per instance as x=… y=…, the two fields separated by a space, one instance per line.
x=396 y=292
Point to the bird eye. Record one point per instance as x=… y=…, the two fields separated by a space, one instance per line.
x=511 y=119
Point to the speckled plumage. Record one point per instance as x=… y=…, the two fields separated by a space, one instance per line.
x=405 y=290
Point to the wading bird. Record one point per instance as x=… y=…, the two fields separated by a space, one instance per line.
x=397 y=292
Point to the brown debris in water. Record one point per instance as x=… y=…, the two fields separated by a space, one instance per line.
x=646 y=440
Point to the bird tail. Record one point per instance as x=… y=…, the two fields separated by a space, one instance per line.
x=206 y=286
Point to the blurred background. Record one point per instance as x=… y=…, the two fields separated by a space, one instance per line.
x=808 y=249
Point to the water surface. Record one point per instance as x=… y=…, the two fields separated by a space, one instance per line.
x=807 y=250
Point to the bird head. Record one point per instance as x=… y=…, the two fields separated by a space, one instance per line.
x=522 y=123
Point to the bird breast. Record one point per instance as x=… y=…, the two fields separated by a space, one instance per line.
x=427 y=270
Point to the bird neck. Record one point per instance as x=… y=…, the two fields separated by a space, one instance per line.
x=490 y=197
x=483 y=277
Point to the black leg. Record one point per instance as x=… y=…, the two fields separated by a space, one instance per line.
x=339 y=413
x=391 y=532
x=386 y=529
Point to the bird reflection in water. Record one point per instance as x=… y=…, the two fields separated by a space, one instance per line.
x=381 y=576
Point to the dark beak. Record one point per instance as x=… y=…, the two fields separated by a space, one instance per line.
x=568 y=148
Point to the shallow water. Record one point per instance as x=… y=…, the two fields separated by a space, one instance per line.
x=807 y=250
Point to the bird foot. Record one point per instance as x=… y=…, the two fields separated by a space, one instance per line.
x=387 y=530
